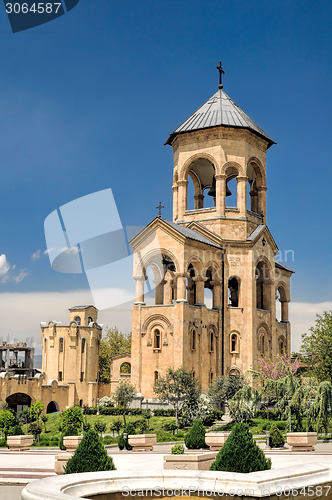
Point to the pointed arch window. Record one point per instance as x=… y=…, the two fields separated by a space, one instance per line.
x=90 y=320
x=83 y=345
x=61 y=343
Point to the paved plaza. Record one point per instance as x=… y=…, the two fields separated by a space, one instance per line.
x=17 y=469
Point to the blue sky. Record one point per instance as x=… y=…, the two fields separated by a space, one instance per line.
x=88 y=100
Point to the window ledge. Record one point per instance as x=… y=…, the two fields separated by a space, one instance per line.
x=263 y=310
x=156 y=350
x=200 y=210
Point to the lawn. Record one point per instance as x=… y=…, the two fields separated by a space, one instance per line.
x=156 y=425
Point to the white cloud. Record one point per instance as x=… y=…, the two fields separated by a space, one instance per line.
x=35 y=256
x=4 y=266
x=20 y=276
x=302 y=317
x=22 y=313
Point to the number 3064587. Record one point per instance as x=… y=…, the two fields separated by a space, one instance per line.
x=36 y=8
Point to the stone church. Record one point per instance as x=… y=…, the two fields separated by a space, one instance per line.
x=217 y=279
x=221 y=297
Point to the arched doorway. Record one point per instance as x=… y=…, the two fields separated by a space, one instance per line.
x=18 y=401
x=52 y=407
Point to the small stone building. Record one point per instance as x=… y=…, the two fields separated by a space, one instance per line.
x=70 y=366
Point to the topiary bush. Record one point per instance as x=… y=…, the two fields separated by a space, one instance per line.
x=71 y=430
x=276 y=438
x=90 y=456
x=122 y=442
x=240 y=453
x=16 y=431
x=195 y=438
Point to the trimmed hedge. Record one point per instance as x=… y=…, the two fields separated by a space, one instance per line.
x=195 y=438
x=159 y=412
x=90 y=456
x=240 y=453
x=276 y=438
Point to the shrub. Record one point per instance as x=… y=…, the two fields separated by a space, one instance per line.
x=105 y=402
x=122 y=442
x=72 y=416
x=90 y=456
x=281 y=425
x=164 y=413
x=16 y=431
x=178 y=449
x=71 y=430
x=3 y=443
x=164 y=438
x=276 y=438
x=91 y=410
x=240 y=453
x=195 y=438
x=109 y=440
x=218 y=414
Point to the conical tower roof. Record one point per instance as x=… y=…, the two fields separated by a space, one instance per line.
x=219 y=111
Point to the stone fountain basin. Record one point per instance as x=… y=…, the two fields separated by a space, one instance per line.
x=111 y=485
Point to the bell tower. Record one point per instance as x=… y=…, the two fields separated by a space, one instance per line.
x=215 y=268
x=218 y=144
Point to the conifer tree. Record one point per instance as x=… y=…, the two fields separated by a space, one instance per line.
x=90 y=456
x=276 y=438
x=195 y=438
x=240 y=453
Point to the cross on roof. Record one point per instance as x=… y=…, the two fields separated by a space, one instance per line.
x=221 y=72
x=159 y=207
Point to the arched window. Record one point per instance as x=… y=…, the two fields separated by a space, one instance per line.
x=156 y=376
x=281 y=348
x=263 y=286
x=262 y=345
x=61 y=342
x=193 y=340
x=81 y=403
x=211 y=341
x=231 y=187
x=90 y=320
x=191 y=286
x=157 y=339
x=234 y=346
x=281 y=304
x=201 y=190
x=78 y=320
x=233 y=292
x=83 y=345
x=125 y=369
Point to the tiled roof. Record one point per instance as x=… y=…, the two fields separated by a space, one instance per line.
x=219 y=111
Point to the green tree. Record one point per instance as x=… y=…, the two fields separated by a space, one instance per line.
x=90 y=456
x=243 y=405
x=177 y=387
x=317 y=345
x=322 y=406
x=113 y=342
x=223 y=388
x=36 y=410
x=123 y=396
x=7 y=420
x=44 y=420
x=240 y=453
x=100 y=427
x=72 y=416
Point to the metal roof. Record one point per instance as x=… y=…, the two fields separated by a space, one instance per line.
x=76 y=308
x=282 y=266
x=190 y=233
x=219 y=111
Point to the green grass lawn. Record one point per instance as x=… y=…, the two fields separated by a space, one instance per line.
x=156 y=425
